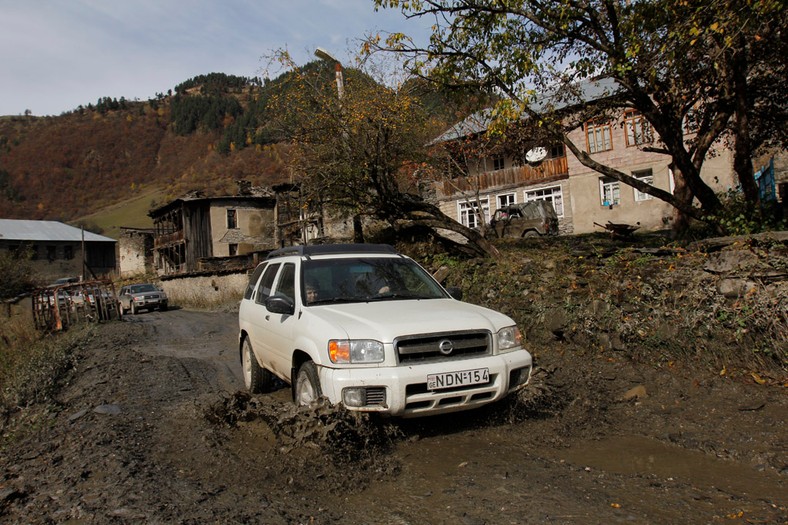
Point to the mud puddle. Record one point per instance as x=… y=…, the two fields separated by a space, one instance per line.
x=638 y=455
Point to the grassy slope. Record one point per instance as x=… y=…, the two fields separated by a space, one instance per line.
x=131 y=213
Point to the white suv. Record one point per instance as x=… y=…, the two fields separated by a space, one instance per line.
x=370 y=329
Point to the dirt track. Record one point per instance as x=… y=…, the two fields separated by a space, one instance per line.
x=153 y=428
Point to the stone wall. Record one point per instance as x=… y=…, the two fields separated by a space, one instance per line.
x=206 y=291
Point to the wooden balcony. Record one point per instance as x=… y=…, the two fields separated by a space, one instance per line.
x=167 y=239
x=549 y=170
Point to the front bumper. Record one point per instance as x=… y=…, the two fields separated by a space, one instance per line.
x=402 y=390
x=150 y=303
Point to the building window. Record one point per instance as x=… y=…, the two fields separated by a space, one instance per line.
x=468 y=213
x=498 y=162
x=233 y=248
x=552 y=194
x=556 y=151
x=646 y=176
x=51 y=253
x=636 y=128
x=68 y=252
x=609 y=191
x=232 y=220
x=599 y=136
x=507 y=199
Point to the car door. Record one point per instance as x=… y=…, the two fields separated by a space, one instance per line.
x=280 y=326
x=258 y=316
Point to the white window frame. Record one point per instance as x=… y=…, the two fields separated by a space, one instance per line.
x=552 y=194
x=609 y=192
x=646 y=176
x=506 y=199
x=466 y=211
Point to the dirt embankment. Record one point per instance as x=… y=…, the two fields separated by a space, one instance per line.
x=152 y=425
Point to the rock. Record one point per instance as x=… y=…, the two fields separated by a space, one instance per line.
x=555 y=321
x=637 y=392
x=111 y=410
x=733 y=288
x=599 y=307
x=77 y=415
x=730 y=261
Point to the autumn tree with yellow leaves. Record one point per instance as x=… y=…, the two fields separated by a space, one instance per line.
x=359 y=154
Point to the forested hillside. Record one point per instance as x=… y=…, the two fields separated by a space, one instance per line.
x=66 y=167
x=206 y=134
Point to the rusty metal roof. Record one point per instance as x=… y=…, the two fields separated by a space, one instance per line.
x=22 y=230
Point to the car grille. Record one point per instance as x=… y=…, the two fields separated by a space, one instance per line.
x=444 y=346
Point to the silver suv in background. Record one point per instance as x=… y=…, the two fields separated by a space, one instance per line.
x=145 y=296
x=370 y=329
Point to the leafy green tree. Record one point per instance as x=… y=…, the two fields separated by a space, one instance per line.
x=675 y=61
x=17 y=273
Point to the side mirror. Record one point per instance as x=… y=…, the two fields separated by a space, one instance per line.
x=455 y=292
x=280 y=304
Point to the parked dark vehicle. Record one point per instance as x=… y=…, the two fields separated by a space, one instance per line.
x=529 y=219
x=136 y=297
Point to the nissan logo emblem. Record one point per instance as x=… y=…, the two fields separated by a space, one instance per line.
x=445 y=347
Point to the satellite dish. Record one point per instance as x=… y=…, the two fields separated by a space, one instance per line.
x=536 y=155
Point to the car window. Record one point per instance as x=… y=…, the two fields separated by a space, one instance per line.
x=253 y=280
x=286 y=284
x=362 y=279
x=266 y=283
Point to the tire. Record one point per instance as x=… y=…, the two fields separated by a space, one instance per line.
x=307 y=386
x=256 y=378
x=163 y=308
x=531 y=233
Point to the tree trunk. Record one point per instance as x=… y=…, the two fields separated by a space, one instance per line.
x=681 y=221
x=358 y=230
x=742 y=149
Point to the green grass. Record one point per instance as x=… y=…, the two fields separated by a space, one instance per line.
x=132 y=213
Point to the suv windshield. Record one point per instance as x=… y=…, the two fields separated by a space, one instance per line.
x=366 y=279
x=142 y=288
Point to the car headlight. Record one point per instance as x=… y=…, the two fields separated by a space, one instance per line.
x=509 y=338
x=355 y=351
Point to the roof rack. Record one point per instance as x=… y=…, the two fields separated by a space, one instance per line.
x=322 y=249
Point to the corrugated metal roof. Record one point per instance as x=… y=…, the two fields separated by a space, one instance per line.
x=583 y=92
x=21 y=230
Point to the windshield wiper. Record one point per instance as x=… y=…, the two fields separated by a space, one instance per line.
x=396 y=296
x=332 y=300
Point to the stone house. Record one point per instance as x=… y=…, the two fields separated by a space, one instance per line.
x=135 y=250
x=581 y=197
x=58 y=250
x=191 y=229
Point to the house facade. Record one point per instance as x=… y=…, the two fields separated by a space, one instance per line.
x=193 y=228
x=135 y=249
x=58 y=250
x=583 y=199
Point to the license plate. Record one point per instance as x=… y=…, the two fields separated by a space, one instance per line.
x=455 y=379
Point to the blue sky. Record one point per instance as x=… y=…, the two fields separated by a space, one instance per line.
x=58 y=54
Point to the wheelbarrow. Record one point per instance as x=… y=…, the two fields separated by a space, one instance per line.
x=619 y=230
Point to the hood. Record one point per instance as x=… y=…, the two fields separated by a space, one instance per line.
x=386 y=320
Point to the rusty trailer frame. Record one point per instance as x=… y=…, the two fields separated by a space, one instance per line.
x=55 y=308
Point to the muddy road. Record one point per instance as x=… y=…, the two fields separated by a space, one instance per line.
x=153 y=427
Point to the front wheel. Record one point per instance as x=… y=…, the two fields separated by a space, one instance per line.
x=307 y=387
x=256 y=378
